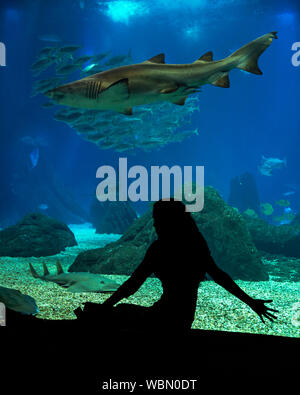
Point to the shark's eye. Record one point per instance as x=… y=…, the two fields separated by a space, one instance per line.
x=101 y=282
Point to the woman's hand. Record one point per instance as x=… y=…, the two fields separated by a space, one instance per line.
x=258 y=305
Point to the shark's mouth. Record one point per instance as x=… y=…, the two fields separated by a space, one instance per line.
x=55 y=94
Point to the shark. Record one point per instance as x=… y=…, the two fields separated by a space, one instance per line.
x=77 y=281
x=121 y=88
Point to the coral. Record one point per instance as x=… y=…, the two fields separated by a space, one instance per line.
x=266 y=208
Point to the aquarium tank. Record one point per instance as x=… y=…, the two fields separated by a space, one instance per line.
x=109 y=106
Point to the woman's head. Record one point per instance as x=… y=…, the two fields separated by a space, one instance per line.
x=171 y=219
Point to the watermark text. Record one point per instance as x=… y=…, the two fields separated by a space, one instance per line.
x=2 y=55
x=185 y=187
x=296 y=56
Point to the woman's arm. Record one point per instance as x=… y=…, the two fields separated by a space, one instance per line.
x=138 y=277
x=223 y=279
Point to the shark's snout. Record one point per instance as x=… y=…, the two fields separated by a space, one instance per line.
x=55 y=94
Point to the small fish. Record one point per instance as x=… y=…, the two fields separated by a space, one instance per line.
x=48 y=104
x=69 y=49
x=82 y=59
x=67 y=69
x=269 y=164
x=64 y=116
x=89 y=67
x=43 y=206
x=283 y=203
x=101 y=56
x=289 y=193
x=53 y=38
x=34 y=157
x=116 y=60
x=34 y=141
x=46 y=51
x=77 y=281
x=84 y=128
x=41 y=64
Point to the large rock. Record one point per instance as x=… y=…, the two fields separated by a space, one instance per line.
x=243 y=193
x=222 y=226
x=283 y=239
x=112 y=217
x=35 y=235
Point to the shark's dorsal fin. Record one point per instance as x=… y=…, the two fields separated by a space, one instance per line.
x=46 y=271
x=59 y=268
x=222 y=82
x=207 y=57
x=33 y=272
x=160 y=58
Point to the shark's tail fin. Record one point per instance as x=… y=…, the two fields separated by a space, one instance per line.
x=33 y=272
x=247 y=56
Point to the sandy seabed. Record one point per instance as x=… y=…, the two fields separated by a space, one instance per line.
x=216 y=308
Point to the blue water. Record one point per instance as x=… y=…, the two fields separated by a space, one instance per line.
x=256 y=116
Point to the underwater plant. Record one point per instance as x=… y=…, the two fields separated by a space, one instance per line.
x=251 y=213
x=283 y=203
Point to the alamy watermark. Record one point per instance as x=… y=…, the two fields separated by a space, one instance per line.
x=296 y=56
x=2 y=55
x=185 y=187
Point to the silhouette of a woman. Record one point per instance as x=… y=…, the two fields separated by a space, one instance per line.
x=179 y=258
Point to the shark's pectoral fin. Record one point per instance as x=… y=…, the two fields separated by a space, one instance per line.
x=222 y=82
x=116 y=91
x=160 y=58
x=63 y=284
x=191 y=89
x=126 y=111
x=180 y=101
x=171 y=89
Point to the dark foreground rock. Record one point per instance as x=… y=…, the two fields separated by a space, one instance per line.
x=112 y=217
x=283 y=239
x=35 y=235
x=222 y=226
